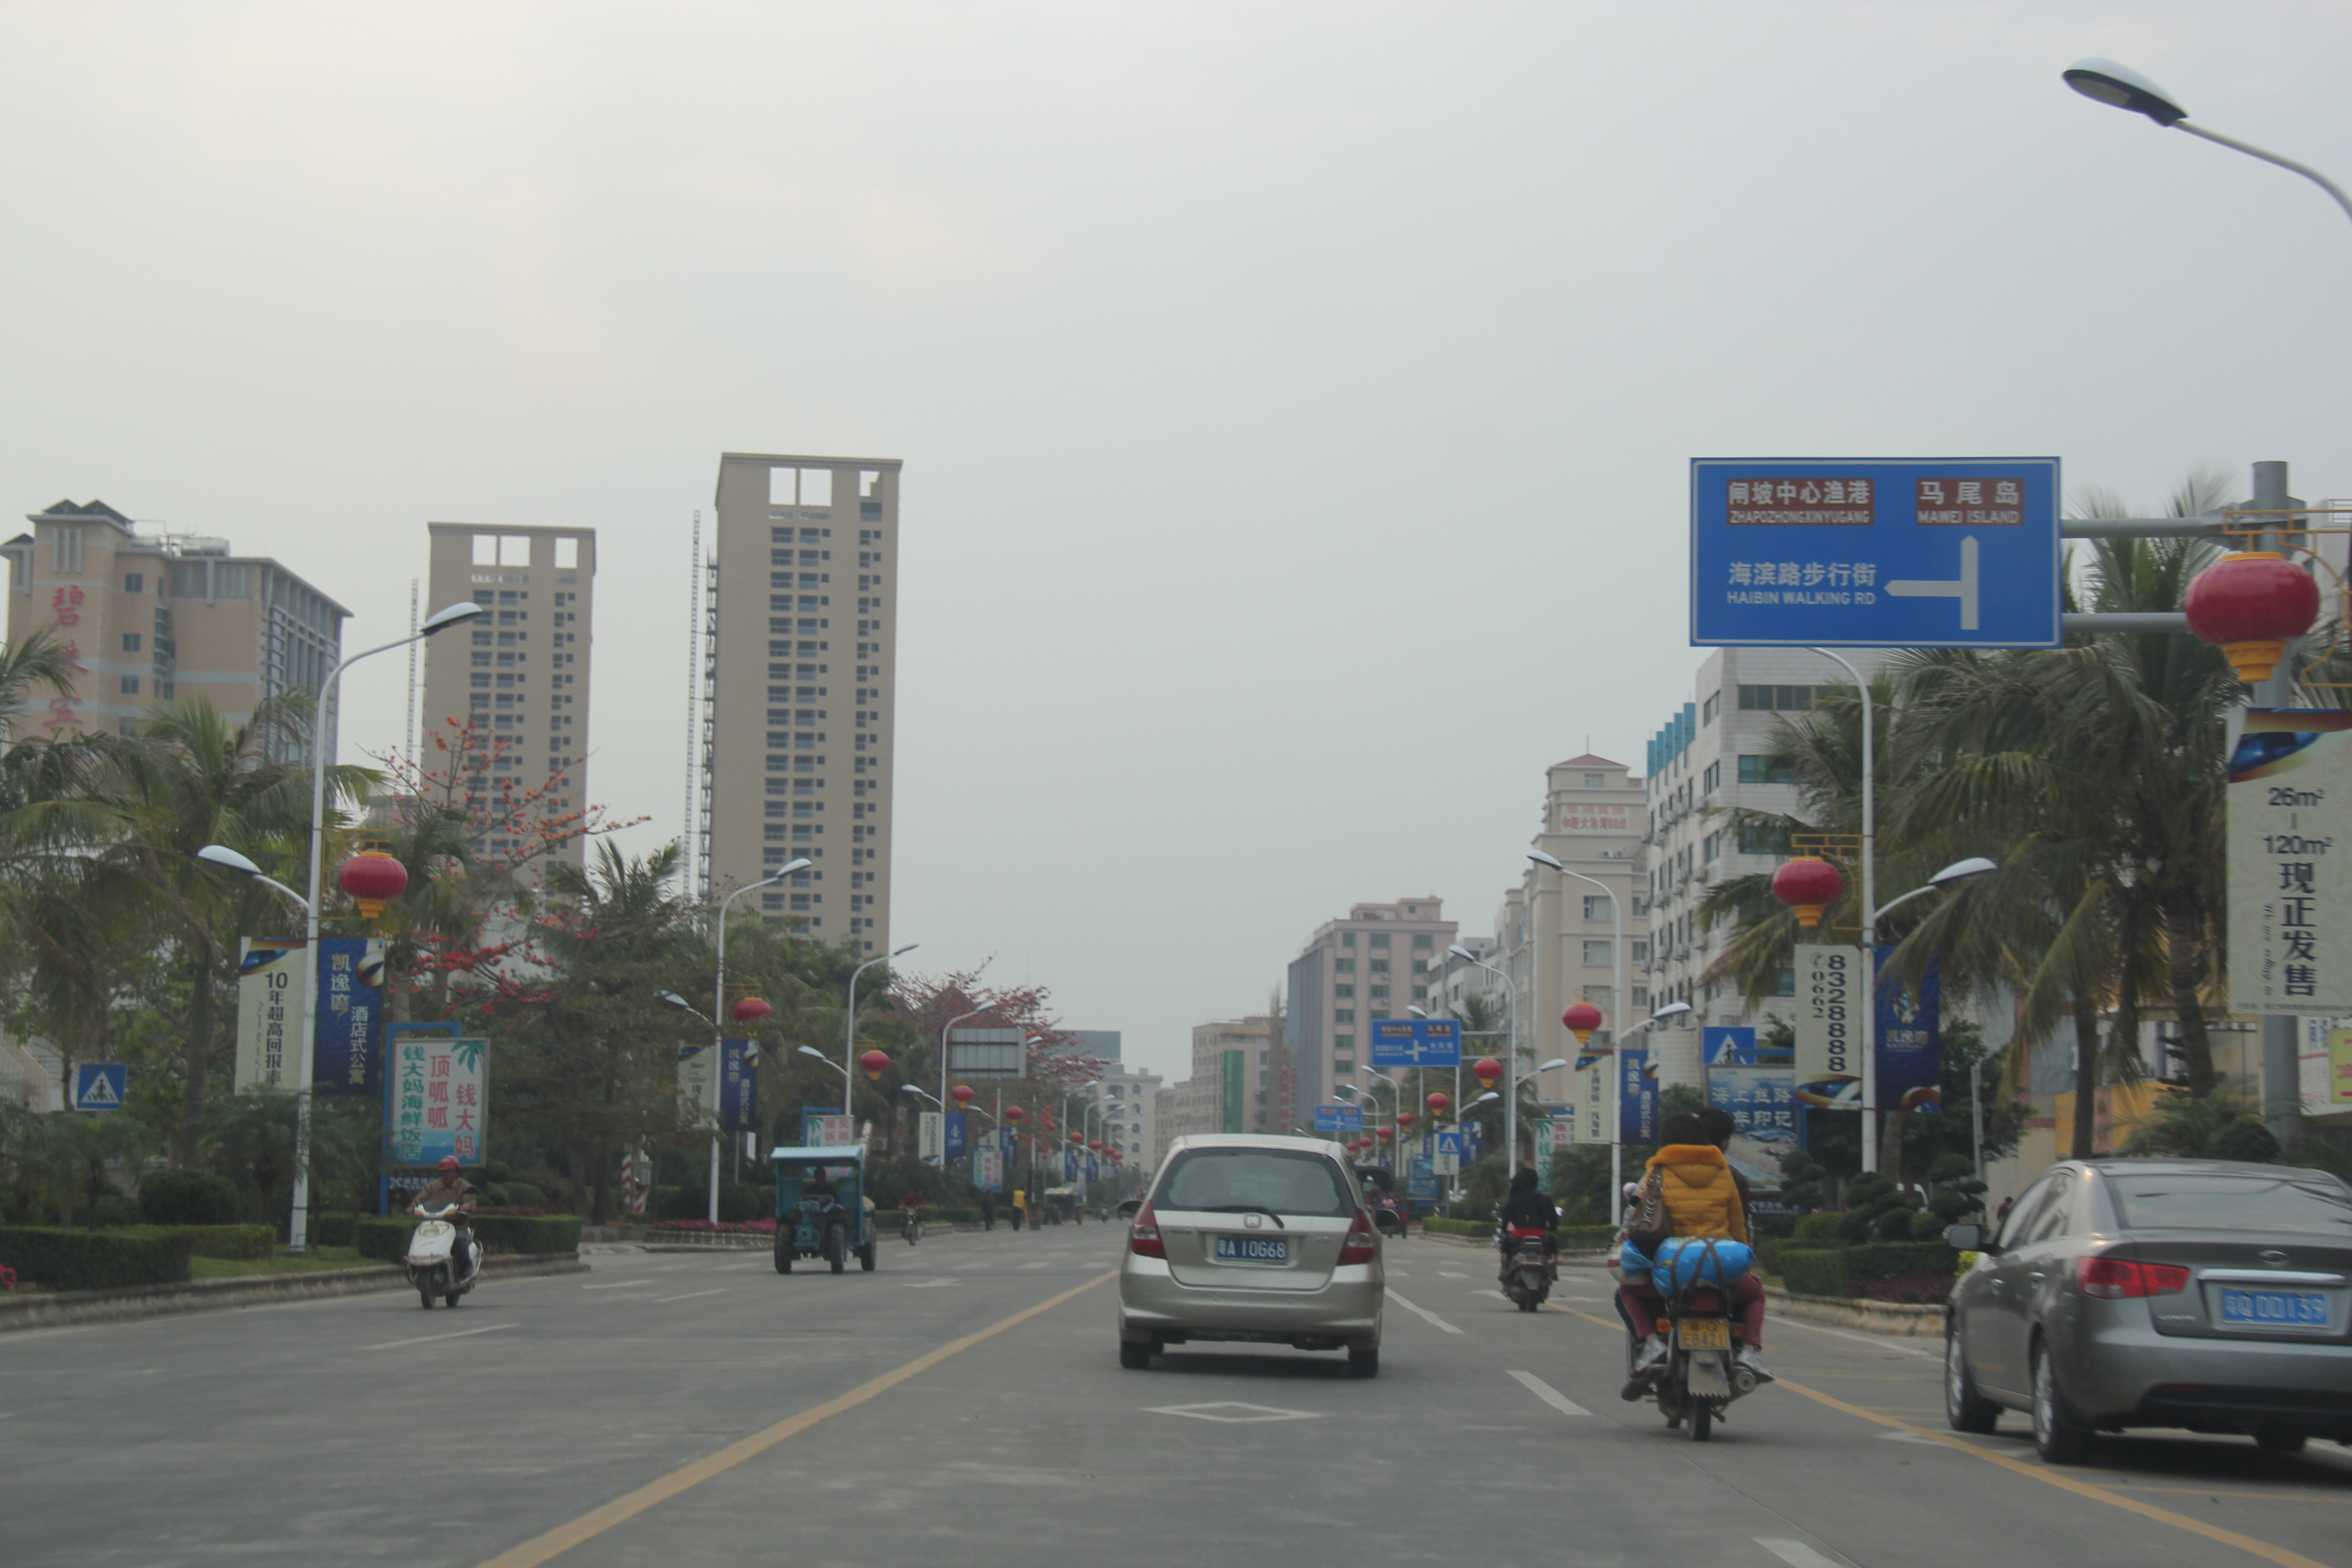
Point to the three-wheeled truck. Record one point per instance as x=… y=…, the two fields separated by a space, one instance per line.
x=821 y=1207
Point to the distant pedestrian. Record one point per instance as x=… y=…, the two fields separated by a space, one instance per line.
x=987 y=1211
x=2001 y=1215
x=1019 y=1207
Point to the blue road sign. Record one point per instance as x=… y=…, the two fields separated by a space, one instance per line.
x=1865 y=552
x=1450 y=1144
x=1339 y=1119
x=101 y=1086
x=1416 y=1043
x=1725 y=1043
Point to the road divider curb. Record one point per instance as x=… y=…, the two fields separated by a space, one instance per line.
x=68 y=1309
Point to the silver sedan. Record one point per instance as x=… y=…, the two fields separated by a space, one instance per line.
x=1255 y=1238
x=2202 y=1294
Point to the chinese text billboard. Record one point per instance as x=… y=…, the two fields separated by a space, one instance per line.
x=439 y=1096
x=269 y=1000
x=2290 y=893
x=349 y=1058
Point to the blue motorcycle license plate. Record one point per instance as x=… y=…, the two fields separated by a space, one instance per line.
x=2275 y=1309
x=1252 y=1250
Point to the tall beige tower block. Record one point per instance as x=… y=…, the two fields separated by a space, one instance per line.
x=796 y=743
x=519 y=673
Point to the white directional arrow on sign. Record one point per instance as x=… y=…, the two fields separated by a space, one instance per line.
x=1963 y=588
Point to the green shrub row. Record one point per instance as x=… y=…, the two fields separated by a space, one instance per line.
x=1845 y=1270
x=230 y=1240
x=527 y=1234
x=96 y=1259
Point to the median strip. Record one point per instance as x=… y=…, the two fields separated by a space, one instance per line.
x=620 y=1511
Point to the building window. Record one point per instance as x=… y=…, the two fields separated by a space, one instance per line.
x=1424 y=942
x=1777 y=699
x=1711 y=847
x=1763 y=838
x=1343 y=1014
x=1596 y=952
x=1596 y=781
x=1380 y=993
x=1379 y=966
x=1706 y=709
x=1596 y=907
x=1640 y=952
x=1641 y=998
x=1344 y=1043
x=1347 y=939
x=131 y=686
x=1343 y=966
x=130 y=642
x=1347 y=992
x=1787 y=983
x=134 y=582
x=1709 y=777
x=1379 y=941
x=1764 y=770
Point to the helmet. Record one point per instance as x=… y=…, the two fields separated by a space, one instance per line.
x=448 y=1164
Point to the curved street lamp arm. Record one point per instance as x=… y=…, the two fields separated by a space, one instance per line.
x=2251 y=151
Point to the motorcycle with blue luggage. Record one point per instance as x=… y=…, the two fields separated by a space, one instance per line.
x=1695 y=1278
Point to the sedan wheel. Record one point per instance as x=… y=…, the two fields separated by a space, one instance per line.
x=1364 y=1360
x=2274 y=1441
x=1965 y=1409
x=2057 y=1437
x=1135 y=1357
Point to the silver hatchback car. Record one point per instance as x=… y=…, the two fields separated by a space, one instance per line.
x=1255 y=1238
x=2195 y=1293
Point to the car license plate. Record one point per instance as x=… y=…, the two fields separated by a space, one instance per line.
x=1252 y=1250
x=2275 y=1309
x=1706 y=1334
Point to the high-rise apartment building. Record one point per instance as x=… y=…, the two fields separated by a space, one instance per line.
x=1706 y=762
x=154 y=616
x=1375 y=964
x=796 y=743
x=518 y=677
x=1233 y=1087
x=1558 y=934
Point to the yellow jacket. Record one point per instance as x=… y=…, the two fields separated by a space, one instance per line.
x=1699 y=1192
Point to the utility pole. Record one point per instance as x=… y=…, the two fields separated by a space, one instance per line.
x=2281 y=1091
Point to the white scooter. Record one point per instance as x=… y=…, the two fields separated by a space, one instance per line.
x=432 y=1260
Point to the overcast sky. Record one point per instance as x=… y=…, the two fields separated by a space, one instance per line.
x=1296 y=400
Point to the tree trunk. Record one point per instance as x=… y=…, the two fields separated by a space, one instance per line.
x=2184 y=942
x=2087 y=1074
x=197 y=1058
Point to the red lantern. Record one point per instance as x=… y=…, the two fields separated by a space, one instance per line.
x=1440 y=1103
x=1014 y=1114
x=374 y=880
x=961 y=1094
x=1487 y=1069
x=1404 y=1119
x=874 y=1064
x=1807 y=885
x=748 y=1009
x=2251 y=604
x=1076 y=1136
x=1582 y=1020
x=1387 y=1133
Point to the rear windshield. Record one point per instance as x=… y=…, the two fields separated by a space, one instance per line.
x=1232 y=1181
x=2230 y=1203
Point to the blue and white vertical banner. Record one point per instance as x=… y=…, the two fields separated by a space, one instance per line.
x=1910 y=1045
x=349 y=1054
x=958 y=1130
x=1637 y=1098
x=738 y=1085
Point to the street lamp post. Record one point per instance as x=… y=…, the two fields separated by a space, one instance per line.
x=1616 y=947
x=849 y=1041
x=299 y=1228
x=719 y=1011
x=1511 y=1101
x=2120 y=87
x=1617 y=1100
x=950 y=1024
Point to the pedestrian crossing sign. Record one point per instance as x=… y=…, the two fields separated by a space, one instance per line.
x=99 y=1085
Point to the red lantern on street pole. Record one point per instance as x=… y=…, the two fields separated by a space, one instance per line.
x=1487 y=1069
x=1014 y=1114
x=1440 y=1103
x=874 y=1064
x=1076 y=1136
x=374 y=880
x=1807 y=885
x=2251 y=604
x=1582 y=1020
x=1404 y=1119
x=750 y=1009
x=1386 y=1133
x=961 y=1094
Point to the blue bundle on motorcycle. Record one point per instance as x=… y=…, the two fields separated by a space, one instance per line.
x=1683 y=1260
x=1633 y=1263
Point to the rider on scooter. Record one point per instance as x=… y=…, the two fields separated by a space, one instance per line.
x=1525 y=1209
x=453 y=1189
x=1704 y=1197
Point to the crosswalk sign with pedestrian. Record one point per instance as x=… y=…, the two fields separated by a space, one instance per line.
x=99 y=1085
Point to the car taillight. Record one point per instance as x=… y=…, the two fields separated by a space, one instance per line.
x=2118 y=1278
x=1363 y=1243
x=1143 y=1235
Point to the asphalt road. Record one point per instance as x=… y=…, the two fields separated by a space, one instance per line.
x=964 y=1404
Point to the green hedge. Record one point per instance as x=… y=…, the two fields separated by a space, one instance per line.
x=332 y=1229
x=530 y=1234
x=1573 y=1237
x=96 y=1259
x=1844 y=1270
x=184 y=1197
x=230 y=1240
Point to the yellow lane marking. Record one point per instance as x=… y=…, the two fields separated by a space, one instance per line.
x=2261 y=1549
x=2224 y=1491
x=596 y=1521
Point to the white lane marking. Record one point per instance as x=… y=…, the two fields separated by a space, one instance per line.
x=1914 y=1438
x=1041 y=1263
x=1796 y=1553
x=690 y=1295
x=617 y=1285
x=1232 y=1411
x=428 y=1339
x=1424 y=1312
x=928 y=1284
x=1550 y=1395
x=1451 y=1274
x=1882 y=1341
